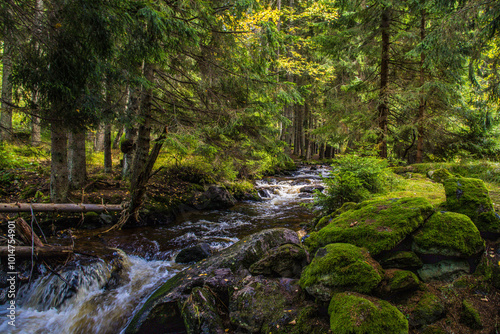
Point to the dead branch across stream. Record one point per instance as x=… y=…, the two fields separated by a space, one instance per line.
x=52 y=207
x=42 y=251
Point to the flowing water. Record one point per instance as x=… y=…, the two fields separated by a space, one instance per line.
x=101 y=296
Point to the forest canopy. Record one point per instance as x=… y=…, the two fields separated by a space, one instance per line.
x=244 y=85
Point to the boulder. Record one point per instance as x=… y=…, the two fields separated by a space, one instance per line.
x=311 y=189
x=448 y=234
x=470 y=197
x=446 y=270
x=352 y=313
x=194 y=254
x=283 y=261
x=439 y=175
x=263 y=305
x=378 y=225
x=200 y=313
x=397 y=281
x=340 y=267
x=218 y=274
x=214 y=198
x=428 y=310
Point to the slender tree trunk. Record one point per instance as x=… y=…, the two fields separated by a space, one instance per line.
x=128 y=145
x=36 y=129
x=116 y=141
x=59 y=182
x=77 y=159
x=99 y=138
x=144 y=131
x=321 y=151
x=6 y=112
x=383 y=108
x=421 y=107
x=108 y=162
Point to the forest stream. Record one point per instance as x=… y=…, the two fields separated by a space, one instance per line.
x=88 y=298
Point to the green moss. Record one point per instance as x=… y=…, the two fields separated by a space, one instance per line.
x=327 y=219
x=340 y=267
x=378 y=225
x=352 y=314
x=470 y=197
x=440 y=175
x=448 y=234
x=433 y=329
x=428 y=310
x=469 y=316
x=402 y=280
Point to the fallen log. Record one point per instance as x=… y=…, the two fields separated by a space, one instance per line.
x=43 y=251
x=52 y=207
x=27 y=234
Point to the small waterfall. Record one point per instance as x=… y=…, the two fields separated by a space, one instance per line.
x=90 y=299
x=101 y=296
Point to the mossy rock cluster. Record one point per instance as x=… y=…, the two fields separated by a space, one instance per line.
x=377 y=225
x=470 y=197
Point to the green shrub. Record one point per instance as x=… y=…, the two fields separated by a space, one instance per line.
x=353 y=179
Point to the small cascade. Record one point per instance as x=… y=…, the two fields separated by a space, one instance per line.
x=101 y=296
x=98 y=298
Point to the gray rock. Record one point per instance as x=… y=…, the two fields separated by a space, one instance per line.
x=447 y=270
x=194 y=254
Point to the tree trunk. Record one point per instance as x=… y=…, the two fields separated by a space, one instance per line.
x=58 y=207
x=383 y=108
x=128 y=145
x=6 y=112
x=108 y=162
x=43 y=251
x=144 y=132
x=116 y=141
x=36 y=129
x=59 y=182
x=421 y=107
x=99 y=138
x=77 y=159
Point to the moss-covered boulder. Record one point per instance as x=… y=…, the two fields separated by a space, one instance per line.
x=448 y=234
x=470 y=197
x=352 y=313
x=446 y=270
x=200 y=313
x=428 y=310
x=284 y=261
x=470 y=316
x=397 y=281
x=405 y=260
x=439 y=175
x=262 y=305
x=378 y=225
x=340 y=267
x=327 y=219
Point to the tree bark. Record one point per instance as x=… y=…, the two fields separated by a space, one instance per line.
x=128 y=145
x=6 y=114
x=77 y=159
x=58 y=207
x=99 y=138
x=108 y=161
x=59 y=181
x=44 y=251
x=144 y=131
x=383 y=108
x=36 y=129
x=26 y=233
x=421 y=107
